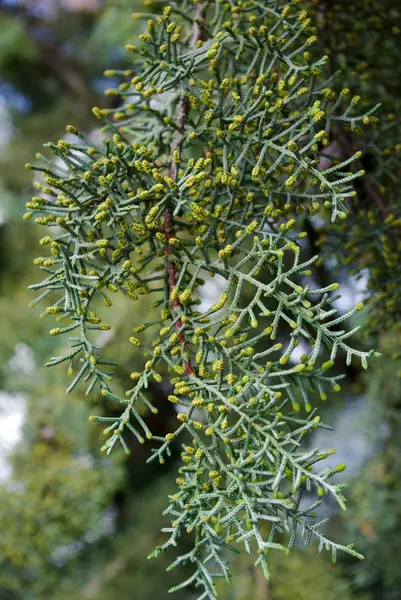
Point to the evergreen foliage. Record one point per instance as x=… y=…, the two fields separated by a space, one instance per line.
x=369 y=240
x=219 y=149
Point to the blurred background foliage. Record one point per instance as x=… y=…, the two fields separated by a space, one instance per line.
x=75 y=524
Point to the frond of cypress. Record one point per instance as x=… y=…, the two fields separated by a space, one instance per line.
x=210 y=165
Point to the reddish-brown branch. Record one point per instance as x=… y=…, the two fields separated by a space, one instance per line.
x=168 y=223
x=172 y=282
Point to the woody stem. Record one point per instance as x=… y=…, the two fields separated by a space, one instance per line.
x=168 y=222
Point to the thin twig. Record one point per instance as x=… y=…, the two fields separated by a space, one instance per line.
x=168 y=223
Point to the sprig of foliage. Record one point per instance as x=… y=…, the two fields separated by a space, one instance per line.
x=369 y=241
x=211 y=162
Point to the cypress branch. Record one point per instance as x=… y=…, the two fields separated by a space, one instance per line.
x=211 y=162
